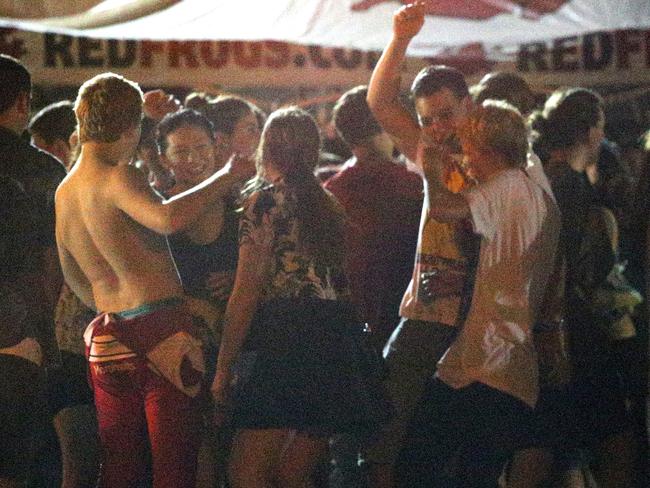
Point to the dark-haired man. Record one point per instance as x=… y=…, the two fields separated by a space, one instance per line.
x=435 y=298
x=30 y=270
x=480 y=405
x=39 y=173
x=383 y=200
x=145 y=360
x=51 y=129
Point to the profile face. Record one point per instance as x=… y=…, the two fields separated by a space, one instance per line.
x=190 y=155
x=245 y=136
x=440 y=114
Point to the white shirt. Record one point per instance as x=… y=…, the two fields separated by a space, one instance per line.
x=519 y=225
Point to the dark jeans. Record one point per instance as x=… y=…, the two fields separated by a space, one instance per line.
x=461 y=438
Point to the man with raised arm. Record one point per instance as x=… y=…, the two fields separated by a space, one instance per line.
x=145 y=361
x=436 y=297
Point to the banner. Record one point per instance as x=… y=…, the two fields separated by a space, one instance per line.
x=598 y=59
x=367 y=24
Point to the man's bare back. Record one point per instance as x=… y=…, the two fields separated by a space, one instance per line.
x=109 y=222
x=123 y=262
x=110 y=228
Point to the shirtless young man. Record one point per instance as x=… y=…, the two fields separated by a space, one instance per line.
x=145 y=362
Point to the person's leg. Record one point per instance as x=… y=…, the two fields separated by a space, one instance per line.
x=174 y=424
x=121 y=422
x=75 y=423
x=300 y=455
x=611 y=439
x=255 y=457
x=616 y=460
x=76 y=428
x=411 y=355
x=430 y=455
x=493 y=425
x=22 y=412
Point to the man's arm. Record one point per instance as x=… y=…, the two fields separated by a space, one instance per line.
x=133 y=195
x=384 y=86
x=444 y=206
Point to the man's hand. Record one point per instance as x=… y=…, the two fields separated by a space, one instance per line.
x=157 y=104
x=436 y=163
x=408 y=20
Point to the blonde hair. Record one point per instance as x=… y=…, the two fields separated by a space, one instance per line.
x=497 y=126
x=107 y=106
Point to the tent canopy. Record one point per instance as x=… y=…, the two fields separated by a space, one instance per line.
x=357 y=24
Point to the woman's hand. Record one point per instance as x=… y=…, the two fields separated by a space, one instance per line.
x=222 y=399
x=220 y=284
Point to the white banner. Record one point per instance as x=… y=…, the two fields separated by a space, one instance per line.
x=366 y=24
x=610 y=58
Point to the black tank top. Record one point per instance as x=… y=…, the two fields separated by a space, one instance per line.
x=195 y=262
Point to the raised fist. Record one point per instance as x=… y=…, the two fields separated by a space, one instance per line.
x=408 y=20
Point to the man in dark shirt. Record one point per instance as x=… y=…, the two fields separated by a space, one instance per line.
x=39 y=174
x=383 y=200
x=30 y=178
x=21 y=377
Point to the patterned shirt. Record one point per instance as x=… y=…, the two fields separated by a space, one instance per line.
x=270 y=222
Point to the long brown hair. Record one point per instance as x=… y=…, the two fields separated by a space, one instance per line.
x=291 y=144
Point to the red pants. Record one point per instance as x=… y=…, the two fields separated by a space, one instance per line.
x=132 y=400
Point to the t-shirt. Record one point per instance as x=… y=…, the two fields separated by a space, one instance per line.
x=382 y=200
x=442 y=249
x=39 y=174
x=519 y=225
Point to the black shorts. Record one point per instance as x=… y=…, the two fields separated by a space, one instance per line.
x=22 y=414
x=305 y=367
x=461 y=437
x=601 y=404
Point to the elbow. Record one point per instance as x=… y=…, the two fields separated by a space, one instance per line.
x=172 y=221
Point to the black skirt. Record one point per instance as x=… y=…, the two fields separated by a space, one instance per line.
x=306 y=365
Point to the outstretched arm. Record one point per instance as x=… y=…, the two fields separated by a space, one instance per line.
x=384 y=87
x=132 y=194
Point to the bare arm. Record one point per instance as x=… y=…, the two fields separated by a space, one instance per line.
x=252 y=269
x=132 y=195
x=384 y=87
x=444 y=206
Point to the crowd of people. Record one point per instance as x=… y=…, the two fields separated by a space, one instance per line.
x=188 y=302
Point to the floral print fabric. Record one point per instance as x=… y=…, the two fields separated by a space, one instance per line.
x=270 y=224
